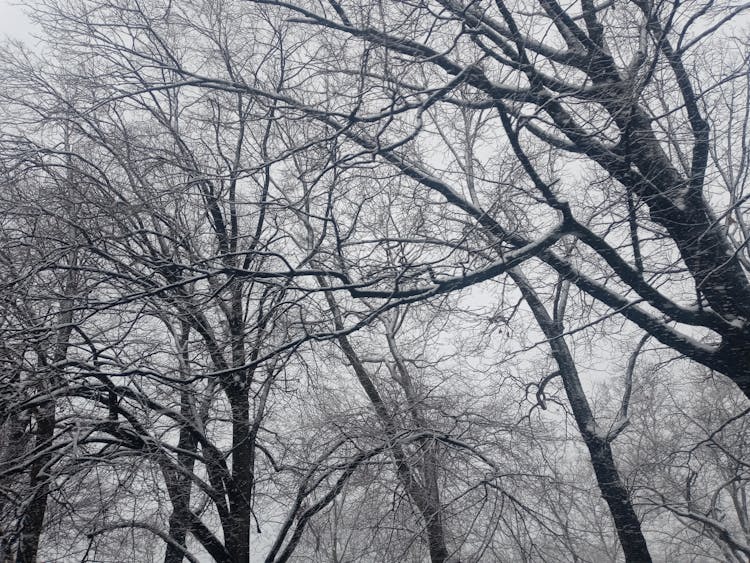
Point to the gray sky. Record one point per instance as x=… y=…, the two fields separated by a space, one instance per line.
x=13 y=22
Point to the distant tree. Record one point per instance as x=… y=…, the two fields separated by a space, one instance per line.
x=691 y=466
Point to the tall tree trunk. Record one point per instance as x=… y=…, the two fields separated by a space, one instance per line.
x=46 y=421
x=14 y=426
x=179 y=486
x=39 y=480
x=627 y=523
x=240 y=489
x=425 y=496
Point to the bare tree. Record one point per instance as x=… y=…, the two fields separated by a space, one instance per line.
x=253 y=182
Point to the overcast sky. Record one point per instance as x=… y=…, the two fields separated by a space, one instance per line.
x=13 y=23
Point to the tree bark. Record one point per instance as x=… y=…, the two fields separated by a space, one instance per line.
x=179 y=487
x=46 y=420
x=426 y=497
x=239 y=490
x=39 y=480
x=627 y=523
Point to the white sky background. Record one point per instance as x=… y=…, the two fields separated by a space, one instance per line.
x=13 y=22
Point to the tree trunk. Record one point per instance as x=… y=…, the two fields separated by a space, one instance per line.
x=425 y=497
x=627 y=523
x=46 y=420
x=39 y=477
x=240 y=489
x=179 y=487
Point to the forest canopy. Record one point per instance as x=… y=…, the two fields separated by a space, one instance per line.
x=336 y=281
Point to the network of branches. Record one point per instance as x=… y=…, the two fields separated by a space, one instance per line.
x=375 y=281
